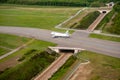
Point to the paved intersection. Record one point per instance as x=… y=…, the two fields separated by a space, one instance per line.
x=78 y=39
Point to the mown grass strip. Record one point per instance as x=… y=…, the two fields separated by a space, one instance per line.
x=44 y=18
x=12 y=41
x=110 y=38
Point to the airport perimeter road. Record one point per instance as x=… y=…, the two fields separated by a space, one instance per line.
x=76 y=40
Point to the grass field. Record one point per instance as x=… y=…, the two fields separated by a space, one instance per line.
x=44 y=18
x=3 y=51
x=110 y=38
x=9 y=42
x=104 y=67
x=30 y=56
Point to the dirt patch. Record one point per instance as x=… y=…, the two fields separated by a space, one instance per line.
x=13 y=61
x=82 y=72
x=9 y=63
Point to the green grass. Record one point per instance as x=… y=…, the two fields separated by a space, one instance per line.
x=110 y=38
x=3 y=51
x=25 y=71
x=35 y=60
x=44 y=18
x=36 y=44
x=12 y=41
x=62 y=71
x=104 y=67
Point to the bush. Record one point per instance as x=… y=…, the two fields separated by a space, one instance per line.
x=115 y=28
x=21 y=59
x=29 y=68
x=30 y=51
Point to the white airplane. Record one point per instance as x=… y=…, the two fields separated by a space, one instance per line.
x=58 y=34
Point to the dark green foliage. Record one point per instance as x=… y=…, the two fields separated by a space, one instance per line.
x=97 y=4
x=117 y=7
x=115 y=28
x=21 y=59
x=29 y=68
x=30 y=51
x=58 y=2
x=27 y=54
x=88 y=20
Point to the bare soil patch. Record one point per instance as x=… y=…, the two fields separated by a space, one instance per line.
x=82 y=72
x=9 y=63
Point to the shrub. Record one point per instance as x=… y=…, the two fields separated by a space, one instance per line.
x=29 y=68
x=21 y=59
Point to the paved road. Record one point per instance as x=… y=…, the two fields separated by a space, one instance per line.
x=76 y=40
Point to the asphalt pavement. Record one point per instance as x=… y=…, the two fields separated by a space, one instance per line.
x=78 y=40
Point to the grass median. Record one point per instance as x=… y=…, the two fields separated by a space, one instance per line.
x=110 y=38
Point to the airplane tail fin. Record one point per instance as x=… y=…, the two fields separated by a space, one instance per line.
x=67 y=32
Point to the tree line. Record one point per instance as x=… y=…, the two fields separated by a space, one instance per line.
x=76 y=3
